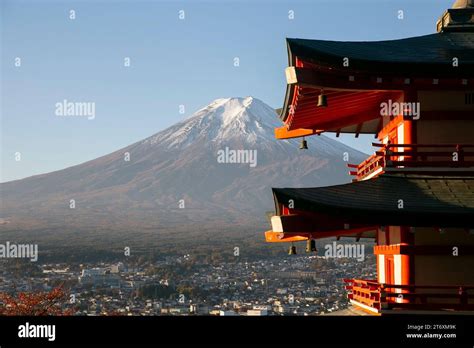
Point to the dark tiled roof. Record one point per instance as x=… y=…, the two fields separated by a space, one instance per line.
x=431 y=54
x=427 y=201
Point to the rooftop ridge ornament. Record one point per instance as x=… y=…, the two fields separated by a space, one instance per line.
x=463 y=4
x=458 y=18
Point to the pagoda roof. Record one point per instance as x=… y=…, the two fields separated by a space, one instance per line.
x=429 y=54
x=427 y=201
x=377 y=71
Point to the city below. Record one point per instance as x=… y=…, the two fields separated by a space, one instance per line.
x=292 y=285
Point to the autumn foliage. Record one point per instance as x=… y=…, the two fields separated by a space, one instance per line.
x=35 y=304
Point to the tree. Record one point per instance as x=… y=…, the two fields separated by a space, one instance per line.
x=35 y=304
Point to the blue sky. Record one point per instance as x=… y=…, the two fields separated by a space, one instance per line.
x=174 y=62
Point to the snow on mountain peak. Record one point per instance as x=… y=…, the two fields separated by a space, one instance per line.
x=248 y=119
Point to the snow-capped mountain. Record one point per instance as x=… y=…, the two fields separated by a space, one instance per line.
x=226 y=119
x=175 y=176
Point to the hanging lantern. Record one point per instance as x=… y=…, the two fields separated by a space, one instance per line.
x=322 y=100
x=292 y=250
x=310 y=245
x=303 y=144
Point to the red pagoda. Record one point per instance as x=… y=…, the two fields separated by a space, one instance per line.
x=415 y=195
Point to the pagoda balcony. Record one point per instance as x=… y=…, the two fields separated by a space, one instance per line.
x=376 y=298
x=416 y=158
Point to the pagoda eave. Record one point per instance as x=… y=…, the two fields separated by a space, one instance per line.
x=285 y=237
x=349 y=80
x=407 y=200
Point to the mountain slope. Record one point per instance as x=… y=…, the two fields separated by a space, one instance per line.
x=177 y=166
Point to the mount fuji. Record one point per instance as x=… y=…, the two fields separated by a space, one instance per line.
x=173 y=178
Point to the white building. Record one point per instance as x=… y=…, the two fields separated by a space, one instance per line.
x=257 y=312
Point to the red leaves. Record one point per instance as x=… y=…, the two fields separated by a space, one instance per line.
x=36 y=304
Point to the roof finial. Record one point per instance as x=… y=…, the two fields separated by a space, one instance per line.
x=463 y=4
x=458 y=18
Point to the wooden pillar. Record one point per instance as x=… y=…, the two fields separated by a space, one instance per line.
x=406 y=275
x=409 y=124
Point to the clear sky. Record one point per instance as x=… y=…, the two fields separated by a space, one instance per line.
x=174 y=62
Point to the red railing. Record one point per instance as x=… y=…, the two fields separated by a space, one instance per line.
x=366 y=292
x=416 y=297
x=414 y=157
